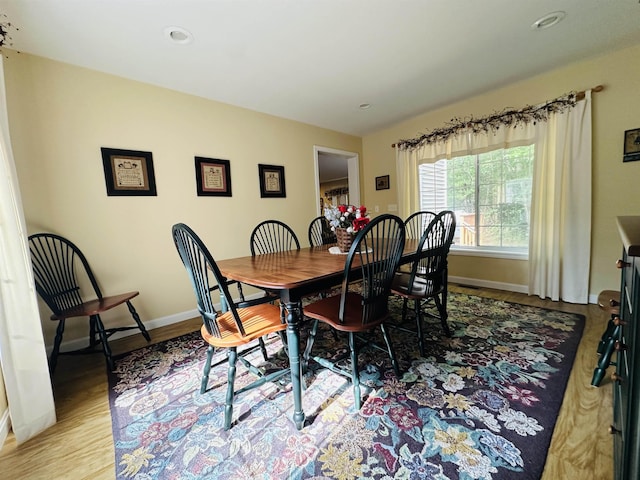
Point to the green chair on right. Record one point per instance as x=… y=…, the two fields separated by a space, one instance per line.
x=426 y=281
x=608 y=301
x=417 y=223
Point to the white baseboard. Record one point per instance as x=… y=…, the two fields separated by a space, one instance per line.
x=149 y=325
x=79 y=343
x=474 y=282
x=509 y=287
x=5 y=426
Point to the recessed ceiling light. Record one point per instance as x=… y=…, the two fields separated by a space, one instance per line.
x=364 y=106
x=178 y=35
x=549 y=20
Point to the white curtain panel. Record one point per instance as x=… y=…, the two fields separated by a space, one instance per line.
x=22 y=350
x=560 y=236
x=407 y=162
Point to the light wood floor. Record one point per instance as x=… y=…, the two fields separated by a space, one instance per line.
x=80 y=445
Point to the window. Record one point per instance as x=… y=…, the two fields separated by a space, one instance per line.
x=490 y=194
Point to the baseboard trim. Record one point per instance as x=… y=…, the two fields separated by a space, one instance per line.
x=5 y=426
x=509 y=287
x=474 y=282
x=79 y=343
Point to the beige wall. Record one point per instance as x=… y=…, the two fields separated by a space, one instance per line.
x=61 y=115
x=615 y=184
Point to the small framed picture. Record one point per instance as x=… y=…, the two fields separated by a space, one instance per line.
x=213 y=177
x=271 y=181
x=631 y=145
x=128 y=172
x=382 y=183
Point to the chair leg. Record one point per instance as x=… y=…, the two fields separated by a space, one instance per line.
x=418 y=311
x=106 y=349
x=231 y=377
x=392 y=353
x=606 y=335
x=240 y=292
x=136 y=317
x=53 y=360
x=92 y=333
x=605 y=358
x=355 y=374
x=442 y=310
x=405 y=301
x=263 y=349
x=335 y=334
x=307 y=351
x=206 y=369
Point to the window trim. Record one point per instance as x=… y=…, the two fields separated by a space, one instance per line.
x=488 y=252
x=493 y=251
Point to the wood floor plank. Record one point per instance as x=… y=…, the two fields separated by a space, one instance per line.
x=80 y=445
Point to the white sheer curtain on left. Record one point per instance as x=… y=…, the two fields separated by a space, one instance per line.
x=560 y=223
x=22 y=350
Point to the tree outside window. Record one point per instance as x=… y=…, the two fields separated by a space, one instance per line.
x=490 y=194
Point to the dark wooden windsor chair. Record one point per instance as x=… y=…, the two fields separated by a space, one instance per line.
x=608 y=301
x=320 y=232
x=59 y=269
x=426 y=282
x=272 y=236
x=233 y=328
x=362 y=304
x=417 y=223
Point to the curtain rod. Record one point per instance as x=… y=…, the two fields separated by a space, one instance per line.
x=579 y=96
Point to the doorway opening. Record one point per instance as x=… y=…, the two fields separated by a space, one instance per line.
x=337 y=177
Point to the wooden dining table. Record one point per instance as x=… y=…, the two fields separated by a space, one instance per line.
x=294 y=274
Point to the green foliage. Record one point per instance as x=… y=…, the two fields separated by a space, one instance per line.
x=497 y=186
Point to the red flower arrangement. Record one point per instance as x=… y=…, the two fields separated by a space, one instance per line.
x=350 y=217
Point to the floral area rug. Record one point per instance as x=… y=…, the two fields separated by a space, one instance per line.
x=481 y=405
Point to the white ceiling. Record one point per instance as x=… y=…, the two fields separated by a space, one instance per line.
x=316 y=61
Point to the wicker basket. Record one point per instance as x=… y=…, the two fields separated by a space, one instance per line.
x=345 y=239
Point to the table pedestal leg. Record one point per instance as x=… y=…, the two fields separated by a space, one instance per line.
x=293 y=341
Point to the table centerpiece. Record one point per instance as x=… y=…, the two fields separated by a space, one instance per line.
x=346 y=221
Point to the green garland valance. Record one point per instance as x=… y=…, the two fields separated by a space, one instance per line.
x=5 y=35
x=492 y=123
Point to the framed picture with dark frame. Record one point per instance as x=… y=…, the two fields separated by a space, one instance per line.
x=213 y=177
x=382 y=183
x=128 y=172
x=631 y=145
x=271 y=181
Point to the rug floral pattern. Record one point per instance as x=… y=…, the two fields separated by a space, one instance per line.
x=481 y=405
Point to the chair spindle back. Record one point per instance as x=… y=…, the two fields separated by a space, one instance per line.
x=58 y=269
x=320 y=232
x=376 y=251
x=417 y=223
x=205 y=277
x=273 y=236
